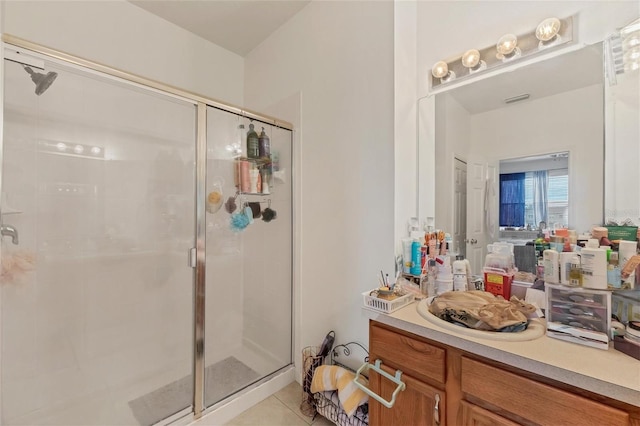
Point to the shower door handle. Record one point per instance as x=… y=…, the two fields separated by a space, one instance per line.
x=192 y=257
x=9 y=231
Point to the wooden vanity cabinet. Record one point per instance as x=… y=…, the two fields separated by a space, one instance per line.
x=418 y=405
x=422 y=364
x=453 y=387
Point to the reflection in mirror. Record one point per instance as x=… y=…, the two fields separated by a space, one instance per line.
x=622 y=118
x=558 y=108
x=533 y=195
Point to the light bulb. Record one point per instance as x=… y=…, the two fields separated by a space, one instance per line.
x=507 y=47
x=471 y=59
x=78 y=149
x=506 y=44
x=440 y=69
x=631 y=41
x=631 y=66
x=632 y=55
x=548 y=29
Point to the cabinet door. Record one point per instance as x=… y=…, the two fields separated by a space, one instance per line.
x=472 y=415
x=418 y=405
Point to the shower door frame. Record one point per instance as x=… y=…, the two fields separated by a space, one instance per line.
x=197 y=255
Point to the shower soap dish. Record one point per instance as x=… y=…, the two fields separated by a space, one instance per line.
x=385 y=304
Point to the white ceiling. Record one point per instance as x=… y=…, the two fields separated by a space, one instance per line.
x=236 y=25
x=562 y=73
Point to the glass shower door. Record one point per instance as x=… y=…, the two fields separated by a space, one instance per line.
x=248 y=254
x=98 y=180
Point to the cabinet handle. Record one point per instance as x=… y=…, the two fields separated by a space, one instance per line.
x=395 y=379
x=436 y=410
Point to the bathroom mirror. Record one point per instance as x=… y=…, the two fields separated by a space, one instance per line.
x=548 y=108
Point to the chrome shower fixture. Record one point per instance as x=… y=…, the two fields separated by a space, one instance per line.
x=42 y=81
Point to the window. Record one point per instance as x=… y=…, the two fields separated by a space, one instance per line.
x=551 y=197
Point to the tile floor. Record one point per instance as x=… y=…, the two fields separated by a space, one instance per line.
x=280 y=409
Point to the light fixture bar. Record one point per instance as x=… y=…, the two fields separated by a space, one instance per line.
x=553 y=33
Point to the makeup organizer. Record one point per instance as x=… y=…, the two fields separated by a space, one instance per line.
x=578 y=315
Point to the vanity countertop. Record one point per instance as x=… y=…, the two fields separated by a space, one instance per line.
x=606 y=372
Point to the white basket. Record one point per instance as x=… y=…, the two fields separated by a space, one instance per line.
x=386 y=306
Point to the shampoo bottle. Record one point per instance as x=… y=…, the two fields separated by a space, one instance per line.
x=264 y=145
x=253 y=150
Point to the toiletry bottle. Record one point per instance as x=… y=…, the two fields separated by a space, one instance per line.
x=551 y=266
x=459 y=274
x=594 y=268
x=264 y=175
x=245 y=181
x=565 y=266
x=407 y=262
x=415 y=257
x=259 y=183
x=264 y=145
x=431 y=277
x=575 y=272
x=253 y=179
x=614 y=280
x=626 y=250
x=253 y=150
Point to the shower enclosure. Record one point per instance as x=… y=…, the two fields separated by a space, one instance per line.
x=126 y=297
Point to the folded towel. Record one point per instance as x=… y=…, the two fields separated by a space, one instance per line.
x=332 y=377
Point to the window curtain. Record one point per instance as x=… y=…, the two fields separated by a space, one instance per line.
x=512 y=199
x=540 y=184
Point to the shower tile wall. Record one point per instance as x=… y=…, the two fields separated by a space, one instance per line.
x=106 y=315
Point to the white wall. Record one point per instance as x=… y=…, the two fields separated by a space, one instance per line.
x=121 y=35
x=339 y=57
x=570 y=121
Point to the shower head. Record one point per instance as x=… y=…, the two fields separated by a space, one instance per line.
x=42 y=81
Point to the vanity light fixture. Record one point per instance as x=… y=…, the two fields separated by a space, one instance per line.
x=507 y=48
x=547 y=32
x=441 y=70
x=471 y=60
x=552 y=33
x=623 y=51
